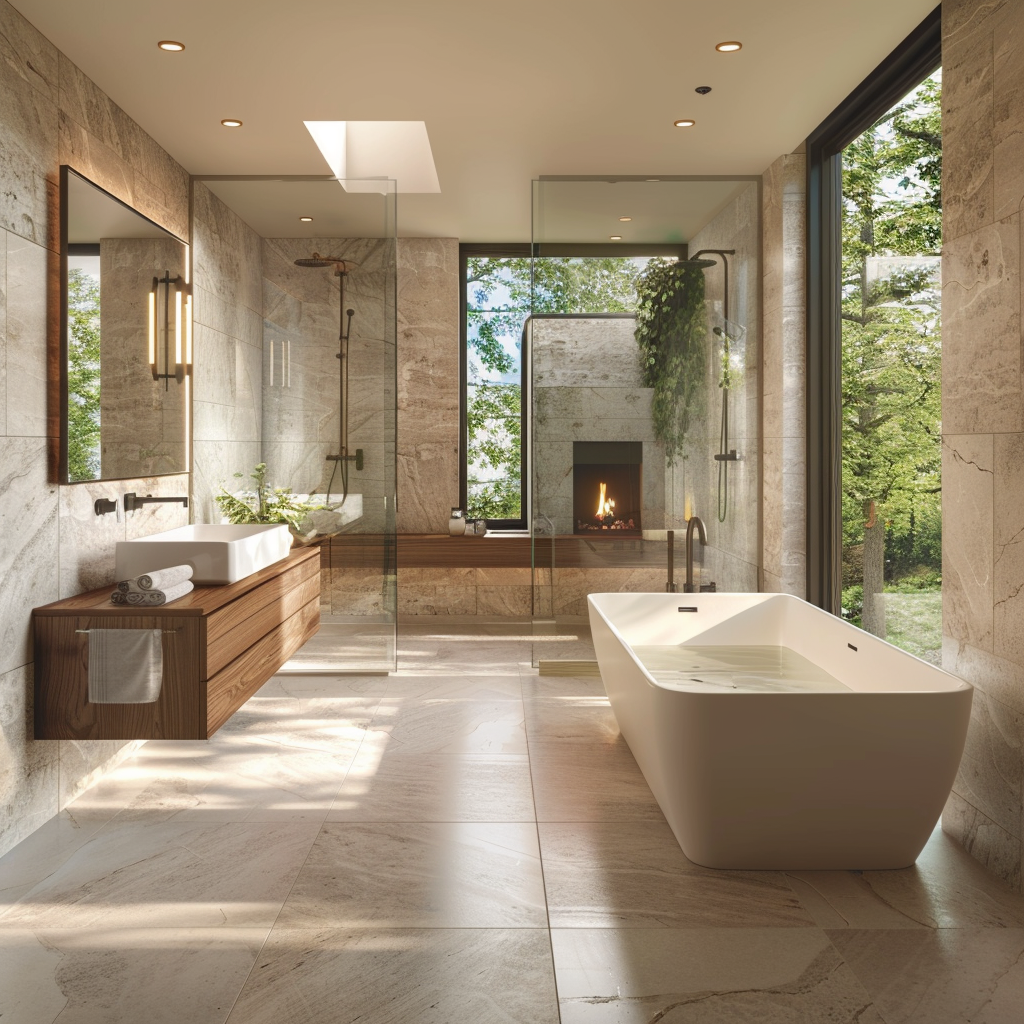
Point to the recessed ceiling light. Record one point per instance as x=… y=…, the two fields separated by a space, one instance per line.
x=171 y=45
x=653 y=179
x=305 y=220
x=624 y=219
x=729 y=47
x=615 y=238
x=684 y=122
x=231 y=122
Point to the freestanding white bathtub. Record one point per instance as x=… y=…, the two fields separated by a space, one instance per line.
x=757 y=757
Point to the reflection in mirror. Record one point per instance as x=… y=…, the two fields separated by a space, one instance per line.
x=125 y=339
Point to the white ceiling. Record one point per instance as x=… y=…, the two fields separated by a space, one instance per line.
x=508 y=90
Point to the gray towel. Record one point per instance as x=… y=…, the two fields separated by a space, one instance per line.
x=118 y=598
x=150 y=598
x=159 y=579
x=125 y=666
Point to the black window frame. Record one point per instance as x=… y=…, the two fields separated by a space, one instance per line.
x=520 y=250
x=917 y=57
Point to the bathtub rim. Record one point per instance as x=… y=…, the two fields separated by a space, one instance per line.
x=958 y=685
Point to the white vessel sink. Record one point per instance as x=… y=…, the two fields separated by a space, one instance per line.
x=217 y=553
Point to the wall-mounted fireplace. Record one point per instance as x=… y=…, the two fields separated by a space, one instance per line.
x=607 y=487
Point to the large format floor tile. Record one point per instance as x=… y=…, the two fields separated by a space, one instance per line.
x=385 y=786
x=585 y=782
x=950 y=975
x=426 y=976
x=451 y=726
x=170 y=875
x=420 y=875
x=584 y=720
x=634 y=875
x=706 y=976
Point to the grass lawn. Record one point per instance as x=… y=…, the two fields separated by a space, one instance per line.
x=914 y=623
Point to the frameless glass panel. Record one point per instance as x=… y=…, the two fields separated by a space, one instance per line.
x=891 y=456
x=314 y=266
x=643 y=390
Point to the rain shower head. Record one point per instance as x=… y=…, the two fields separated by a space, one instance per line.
x=697 y=263
x=316 y=260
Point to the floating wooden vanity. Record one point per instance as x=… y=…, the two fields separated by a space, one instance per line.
x=220 y=645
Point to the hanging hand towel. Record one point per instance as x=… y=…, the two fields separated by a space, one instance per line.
x=125 y=666
x=150 y=598
x=160 y=579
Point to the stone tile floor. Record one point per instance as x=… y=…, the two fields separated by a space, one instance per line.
x=464 y=841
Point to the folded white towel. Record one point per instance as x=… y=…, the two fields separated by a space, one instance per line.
x=125 y=666
x=159 y=579
x=150 y=598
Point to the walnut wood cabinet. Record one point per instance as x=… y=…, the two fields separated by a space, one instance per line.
x=220 y=645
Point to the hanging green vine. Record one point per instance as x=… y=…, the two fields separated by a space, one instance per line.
x=671 y=332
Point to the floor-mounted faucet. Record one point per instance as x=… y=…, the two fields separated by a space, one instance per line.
x=693 y=523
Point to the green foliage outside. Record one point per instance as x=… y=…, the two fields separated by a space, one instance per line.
x=83 y=376
x=501 y=293
x=671 y=332
x=891 y=444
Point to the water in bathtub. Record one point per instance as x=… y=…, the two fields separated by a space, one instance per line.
x=753 y=669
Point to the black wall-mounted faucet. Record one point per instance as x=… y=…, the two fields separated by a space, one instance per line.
x=132 y=501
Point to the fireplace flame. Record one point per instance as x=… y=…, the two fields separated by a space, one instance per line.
x=604 y=505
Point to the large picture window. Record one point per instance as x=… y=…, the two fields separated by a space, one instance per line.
x=502 y=287
x=874 y=211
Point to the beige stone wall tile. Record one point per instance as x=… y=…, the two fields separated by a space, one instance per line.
x=967 y=531
x=1008 y=584
x=983 y=839
x=28 y=767
x=420 y=599
x=968 y=194
x=771 y=468
x=996 y=677
x=87 y=541
x=504 y=600
x=981 y=339
x=1008 y=97
x=503 y=577
x=3 y=332
x=30 y=356
x=436 y=576
x=29 y=566
x=991 y=772
x=428 y=383
x=28 y=124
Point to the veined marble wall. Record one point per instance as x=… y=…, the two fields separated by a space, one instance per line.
x=54 y=545
x=227 y=340
x=428 y=383
x=983 y=418
x=733 y=555
x=783 y=376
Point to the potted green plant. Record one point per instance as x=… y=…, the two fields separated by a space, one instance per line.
x=671 y=333
x=267 y=504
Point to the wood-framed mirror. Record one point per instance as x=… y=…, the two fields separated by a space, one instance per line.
x=125 y=339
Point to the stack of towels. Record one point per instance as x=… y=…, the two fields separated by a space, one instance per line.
x=154 y=588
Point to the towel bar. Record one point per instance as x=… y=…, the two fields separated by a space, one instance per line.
x=162 y=630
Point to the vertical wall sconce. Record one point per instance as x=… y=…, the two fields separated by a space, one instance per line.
x=170 y=329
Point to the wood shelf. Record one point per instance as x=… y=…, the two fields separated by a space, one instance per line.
x=227 y=641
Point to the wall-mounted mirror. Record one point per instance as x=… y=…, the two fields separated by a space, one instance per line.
x=126 y=339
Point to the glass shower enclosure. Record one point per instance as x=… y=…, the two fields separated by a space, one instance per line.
x=615 y=473
x=295 y=398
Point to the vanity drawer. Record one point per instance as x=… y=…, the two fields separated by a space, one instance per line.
x=239 y=625
x=230 y=688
